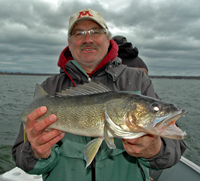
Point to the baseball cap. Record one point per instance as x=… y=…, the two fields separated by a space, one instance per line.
x=119 y=39
x=86 y=14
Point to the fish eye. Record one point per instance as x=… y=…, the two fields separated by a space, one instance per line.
x=155 y=107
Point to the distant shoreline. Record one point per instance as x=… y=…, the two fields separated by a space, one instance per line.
x=151 y=76
x=173 y=77
x=18 y=73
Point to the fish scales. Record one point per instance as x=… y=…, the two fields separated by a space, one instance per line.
x=75 y=113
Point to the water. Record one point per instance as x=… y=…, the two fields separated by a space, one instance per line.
x=16 y=92
x=185 y=93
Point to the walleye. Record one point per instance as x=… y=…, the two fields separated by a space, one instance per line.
x=93 y=110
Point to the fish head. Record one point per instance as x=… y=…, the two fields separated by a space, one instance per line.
x=156 y=117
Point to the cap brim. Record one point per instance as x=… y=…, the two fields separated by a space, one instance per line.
x=85 y=18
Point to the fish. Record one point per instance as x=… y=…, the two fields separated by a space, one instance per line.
x=93 y=110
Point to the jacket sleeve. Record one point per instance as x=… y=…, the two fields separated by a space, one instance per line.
x=171 y=149
x=26 y=160
x=168 y=156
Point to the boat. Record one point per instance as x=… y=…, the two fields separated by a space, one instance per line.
x=17 y=174
x=184 y=170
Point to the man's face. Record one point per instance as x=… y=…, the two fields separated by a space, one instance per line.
x=88 y=51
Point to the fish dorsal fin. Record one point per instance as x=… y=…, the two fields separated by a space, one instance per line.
x=85 y=89
x=39 y=91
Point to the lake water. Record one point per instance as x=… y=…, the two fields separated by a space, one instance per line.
x=16 y=92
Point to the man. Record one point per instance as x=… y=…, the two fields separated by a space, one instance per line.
x=129 y=55
x=91 y=56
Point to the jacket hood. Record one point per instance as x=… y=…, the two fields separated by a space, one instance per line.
x=66 y=56
x=119 y=39
x=127 y=51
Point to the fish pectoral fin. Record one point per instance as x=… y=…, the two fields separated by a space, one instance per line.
x=109 y=141
x=91 y=150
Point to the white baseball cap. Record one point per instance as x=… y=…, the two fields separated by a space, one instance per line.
x=86 y=14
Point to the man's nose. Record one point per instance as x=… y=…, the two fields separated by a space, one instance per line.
x=88 y=38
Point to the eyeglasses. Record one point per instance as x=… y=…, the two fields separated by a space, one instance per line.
x=94 y=33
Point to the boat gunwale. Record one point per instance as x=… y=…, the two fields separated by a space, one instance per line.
x=190 y=164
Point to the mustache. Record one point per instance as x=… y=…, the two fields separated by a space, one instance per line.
x=88 y=45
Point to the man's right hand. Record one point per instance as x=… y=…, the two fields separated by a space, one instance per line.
x=41 y=141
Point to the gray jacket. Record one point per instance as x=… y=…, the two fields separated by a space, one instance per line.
x=116 y=77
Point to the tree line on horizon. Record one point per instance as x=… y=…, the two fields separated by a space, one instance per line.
x=151 y=76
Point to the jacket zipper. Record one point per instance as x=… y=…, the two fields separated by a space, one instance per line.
x=93 y=170
x=93 y=165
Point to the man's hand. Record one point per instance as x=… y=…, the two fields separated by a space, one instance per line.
x=146 y=146
x=41 y=141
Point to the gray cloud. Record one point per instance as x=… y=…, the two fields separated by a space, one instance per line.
x=33 y=33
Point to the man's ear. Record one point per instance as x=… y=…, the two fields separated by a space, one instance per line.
x=69 y=45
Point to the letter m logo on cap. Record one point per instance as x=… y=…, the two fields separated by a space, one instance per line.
x=83 y=14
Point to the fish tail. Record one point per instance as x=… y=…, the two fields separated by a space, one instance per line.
x=25 y=135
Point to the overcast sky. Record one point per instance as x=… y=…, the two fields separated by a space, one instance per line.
x=166 y=32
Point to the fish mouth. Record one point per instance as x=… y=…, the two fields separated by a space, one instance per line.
x=166 y=126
